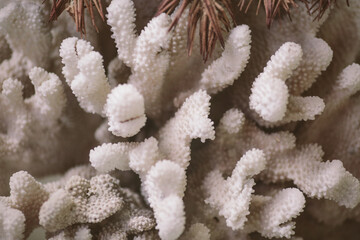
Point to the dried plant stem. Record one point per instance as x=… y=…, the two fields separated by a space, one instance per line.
x=76 y=8
x=320 y=7
x=273 y=8
x=212 y=16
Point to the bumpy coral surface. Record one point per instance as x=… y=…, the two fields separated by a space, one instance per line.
x=122 y=135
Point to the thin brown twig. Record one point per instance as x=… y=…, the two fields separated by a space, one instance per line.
x=213 y=18
x=273 y=8
x=320 y=7
x=76 y=8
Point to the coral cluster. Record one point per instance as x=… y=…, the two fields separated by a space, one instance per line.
x=122 y=135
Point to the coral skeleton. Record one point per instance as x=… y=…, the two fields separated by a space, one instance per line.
x=123 y=135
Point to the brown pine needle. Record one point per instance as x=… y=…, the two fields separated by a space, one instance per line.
x=213 y=18
x=76 y=8
x=320 y=7
x=273 y=8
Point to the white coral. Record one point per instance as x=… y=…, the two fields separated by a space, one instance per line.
x=82 y=201
x=49 y=98
x=26 y=195
x=170 y=217
x=193 y=189
x=144 y=156
x=12 y=223
x=197 y=231
x=270 y=96
x=125 y=111
x=33 y=47
x=145 y=54
x=85 y=74
x=223 y=71
x=165 y=186
x=271 y=216
x=232 y=197
x=111 y=156
x=191 y=121
x=165 y=178
x=318 y=179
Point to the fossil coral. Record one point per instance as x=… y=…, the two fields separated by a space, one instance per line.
x=122 y=135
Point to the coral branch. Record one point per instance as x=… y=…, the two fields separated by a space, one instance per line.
x=232 y=197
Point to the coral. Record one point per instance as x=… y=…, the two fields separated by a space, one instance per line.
x=110 y=156
x=197 y=231
x=76 y=200
x=79 y=202
x=174 y=141
x=122 y=135
x=125 y=111
x=81 y=65
x=78 y=233
x=304 y=167
x=282 y=102
x=12 y=223
x=144 y=54
x=189 y=122
x=30 y=50
x=26 y=195
x=232 y=196
x=270 y=96
x=271 y=216
x=39 y=119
